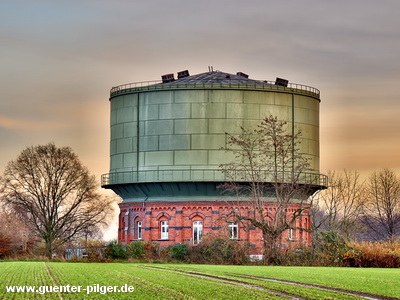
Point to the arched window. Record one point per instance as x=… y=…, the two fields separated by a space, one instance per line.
x=139 y=230
x=233 y=230
x=197 y=231
x=164 y=230
x=123 y=229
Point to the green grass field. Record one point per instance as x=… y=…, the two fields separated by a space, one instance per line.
x=180 y=281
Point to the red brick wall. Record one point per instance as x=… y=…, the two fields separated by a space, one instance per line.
x=180 y=217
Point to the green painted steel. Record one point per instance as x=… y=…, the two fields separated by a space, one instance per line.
x=163 y=128
x=185 y=129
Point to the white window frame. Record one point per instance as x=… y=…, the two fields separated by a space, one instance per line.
x=139 y=230
x=164 y=230
x=197 y=231
x=290 y=234
x=233 y=230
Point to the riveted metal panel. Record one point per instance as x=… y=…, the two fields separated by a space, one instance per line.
x=191 y=158
x=174 y=111
x=208 y=110
x=174 y=142
x=191 y=126
x=181 y=129
x=208 y=141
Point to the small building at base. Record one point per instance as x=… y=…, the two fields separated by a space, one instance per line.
x=188 y=222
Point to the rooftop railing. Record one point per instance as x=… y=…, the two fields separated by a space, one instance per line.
x=233 y=84
x=208 y=175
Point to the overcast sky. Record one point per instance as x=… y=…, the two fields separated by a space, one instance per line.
x=59 y=59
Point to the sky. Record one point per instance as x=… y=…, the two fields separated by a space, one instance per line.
x=59 y=59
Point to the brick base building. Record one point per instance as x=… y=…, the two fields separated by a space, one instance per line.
x=172 y=223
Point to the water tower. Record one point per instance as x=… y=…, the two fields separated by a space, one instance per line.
x=165 y=148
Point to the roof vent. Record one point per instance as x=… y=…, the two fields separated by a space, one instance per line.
x=281 y=82
x=183 y=74
x=241 y=74
x=167 y=78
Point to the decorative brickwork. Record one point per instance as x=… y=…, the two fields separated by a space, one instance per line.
x=178 y=219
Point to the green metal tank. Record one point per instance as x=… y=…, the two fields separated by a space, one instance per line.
x=167 y=136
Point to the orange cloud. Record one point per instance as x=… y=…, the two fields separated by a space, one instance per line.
x=18 y=124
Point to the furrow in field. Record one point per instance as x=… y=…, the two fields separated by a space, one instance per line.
x=86 y=275
x=230 y=281
x=63 y=277
x=151 y=287
x=200 y=287
x=18 y=274
x=6 y=278
x=38 y=277
x=54 y=281
x=342 y=291
x=21 y=276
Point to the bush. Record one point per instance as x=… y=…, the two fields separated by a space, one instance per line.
x=136 y=250
x=179 y=251
x=151 y=250
x=217 y=249
x=116 y=251
x=94 y=250
x=301 y=256
x=333 y=248
x=373 y=255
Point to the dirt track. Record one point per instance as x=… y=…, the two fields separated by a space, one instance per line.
x=246 y=284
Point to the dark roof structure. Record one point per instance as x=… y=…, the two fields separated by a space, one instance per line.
x=218 y=77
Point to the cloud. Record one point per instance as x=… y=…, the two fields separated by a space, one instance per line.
x=28 y=125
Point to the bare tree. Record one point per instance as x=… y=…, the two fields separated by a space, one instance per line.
x=340 y=205
x=269 y=174
x=382 y=205
x=13 y=229
x=55 y=191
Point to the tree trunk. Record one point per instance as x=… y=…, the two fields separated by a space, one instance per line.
x=49 y=249
x=271 y=249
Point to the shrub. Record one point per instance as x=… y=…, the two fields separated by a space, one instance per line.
x=219 y=249
x=179 y=251
x=94 y=250
x=374 y=255
x=136 y=249
x=116 y=251
x=151 y=250
x=332 y=247
x=301 y=256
